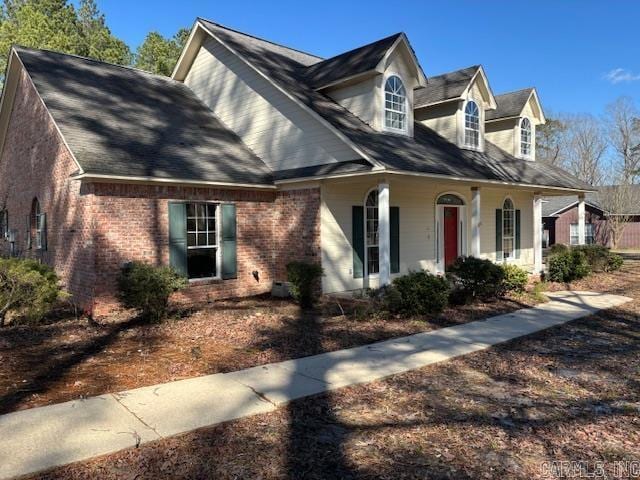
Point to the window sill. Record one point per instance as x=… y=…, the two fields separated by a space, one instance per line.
x=204 y=281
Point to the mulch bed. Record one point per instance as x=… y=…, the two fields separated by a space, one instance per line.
x=75 y=358
x=571 y=393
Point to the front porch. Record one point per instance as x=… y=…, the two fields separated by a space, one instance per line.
x=376 y=227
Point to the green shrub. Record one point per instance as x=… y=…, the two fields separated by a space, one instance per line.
x=614 y=262
x=515 y=279
x=28 y=289
x=568 y=266
x=147 y=288
x=417 y=293
x=303 y=280
x=473 y=278
x=558 y=248
x=597 y=256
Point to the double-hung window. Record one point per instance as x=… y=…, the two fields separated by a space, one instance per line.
x=371 y=229
x=589 y=234
x=472 y=125
x=525 y=137
x=508 y=229
x=395 y=104
x=202 y=240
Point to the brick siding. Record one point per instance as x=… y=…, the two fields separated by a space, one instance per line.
x=94 y=228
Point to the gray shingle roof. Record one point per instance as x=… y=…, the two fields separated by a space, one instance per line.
x=354 y=62
x=426 y=152
x=509 y=104
x=551 y=205
x=122 y=121
x=444 y=87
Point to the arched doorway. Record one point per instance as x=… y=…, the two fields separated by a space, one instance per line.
x=451 y=230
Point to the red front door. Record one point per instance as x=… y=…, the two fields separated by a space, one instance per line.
x=450 y=235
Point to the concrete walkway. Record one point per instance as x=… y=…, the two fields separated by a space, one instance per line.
x=41 y=438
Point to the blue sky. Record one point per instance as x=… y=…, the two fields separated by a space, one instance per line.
x=579 y=54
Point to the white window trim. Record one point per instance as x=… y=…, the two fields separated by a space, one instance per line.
x=462 y=229
x=528 y=156
x=462 y=126
x=408 y=107
x=586 y=227
x=218 y=245
x=366 y=244
x=512 y=258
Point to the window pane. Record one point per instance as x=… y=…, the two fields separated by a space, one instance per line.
x=191 y=224
x=201 y=262
x=211 y=210
x=212 y=239
x=202 y=239
x=191 y=239
x=211 y=224
x=373 y=261
x=191 y=210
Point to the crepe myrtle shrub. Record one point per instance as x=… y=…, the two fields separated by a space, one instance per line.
x=515 y=279
x=473 y=278
x=147 y=288
x=303 y=278
x=28 y=290
x=416 y=293
x=568 y=266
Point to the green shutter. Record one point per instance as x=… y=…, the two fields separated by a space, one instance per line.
x=357 y=240
x=229 y=242
x=178 y=237
x=28 y=231
x=517 y=233
x=42 y=220
x=394 y=218
x=498 y=235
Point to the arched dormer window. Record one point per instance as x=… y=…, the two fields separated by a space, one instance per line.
x=395 y=104
x=508 y=229
x=371 y=237
x=525 y=137
x=472 y=125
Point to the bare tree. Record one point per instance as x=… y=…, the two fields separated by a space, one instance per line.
x=622 y=123
x=584 y=145
x=619 y=203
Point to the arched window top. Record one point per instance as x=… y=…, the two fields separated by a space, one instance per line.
x=450 y=199
x=395 y=104
x=508 y=204
x=525 y=137
x=372 y=198
x=35 y=207
x=472 y=124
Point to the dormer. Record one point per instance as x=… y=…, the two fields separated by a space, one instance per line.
x=512 y=126
x=375 y=82
x=454 y=105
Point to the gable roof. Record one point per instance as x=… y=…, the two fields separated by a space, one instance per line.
x=553 y=206
x=125 y=122
x=512 y=104
x=354 y=62
x=447 y=86
x=425 y=153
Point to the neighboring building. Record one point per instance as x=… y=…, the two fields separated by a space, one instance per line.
x=560 y=219
x=254 y=154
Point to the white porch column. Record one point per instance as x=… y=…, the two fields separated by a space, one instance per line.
x=537 y=234
x=581 y=215
x=475 y=222
x=384 y=234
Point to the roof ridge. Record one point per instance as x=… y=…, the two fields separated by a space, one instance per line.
x=475 y=67
x=398 y=34
x=94 y=60
x=260 y=38
x=515 y=91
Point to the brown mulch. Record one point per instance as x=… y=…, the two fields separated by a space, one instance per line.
x=70 y=359
x=571 y=393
